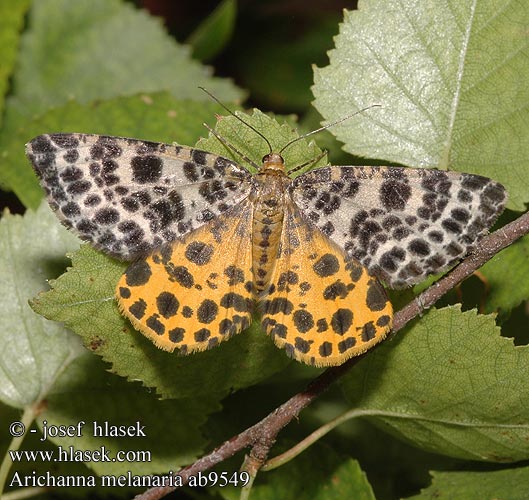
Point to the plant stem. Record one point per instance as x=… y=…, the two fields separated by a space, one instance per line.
x=27 y=418
x=300 y=447
x=251 y=466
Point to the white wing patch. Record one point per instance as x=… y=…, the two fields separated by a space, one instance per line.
x=128 y=197
x=401 y=223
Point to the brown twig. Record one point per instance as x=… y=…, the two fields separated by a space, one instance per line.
x=261 y=436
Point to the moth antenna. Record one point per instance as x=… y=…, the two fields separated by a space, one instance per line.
x=237 y=117
x=231 y=146
x=325 y=127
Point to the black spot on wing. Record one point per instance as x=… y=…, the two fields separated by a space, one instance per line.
x=176 y=335
x=303 y=320
x=155 y=324
x=199 y=253
x=207 y=311
x=342 y=320
x=167 y=304
x=394 y=194
x=146 y=169
x=138 y=273
x=138 y=309
x=326 y=265
x=181 y=275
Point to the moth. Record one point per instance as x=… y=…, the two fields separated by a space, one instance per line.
x=211 y=244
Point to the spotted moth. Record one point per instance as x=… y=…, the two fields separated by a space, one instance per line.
x=210 y=244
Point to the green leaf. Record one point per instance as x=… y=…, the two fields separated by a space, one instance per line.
x=157 y=117
x=92 y=50
x=11 y=20
x=214 y=32
x=319 y=473
x=449 y=384
x=34 y=350
x=254 y=147
x=506 y=287
x=87 y=393
x=508 y=484
x=100 y=49
x=450 y=79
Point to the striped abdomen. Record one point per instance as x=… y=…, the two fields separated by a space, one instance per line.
x=267 y=225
